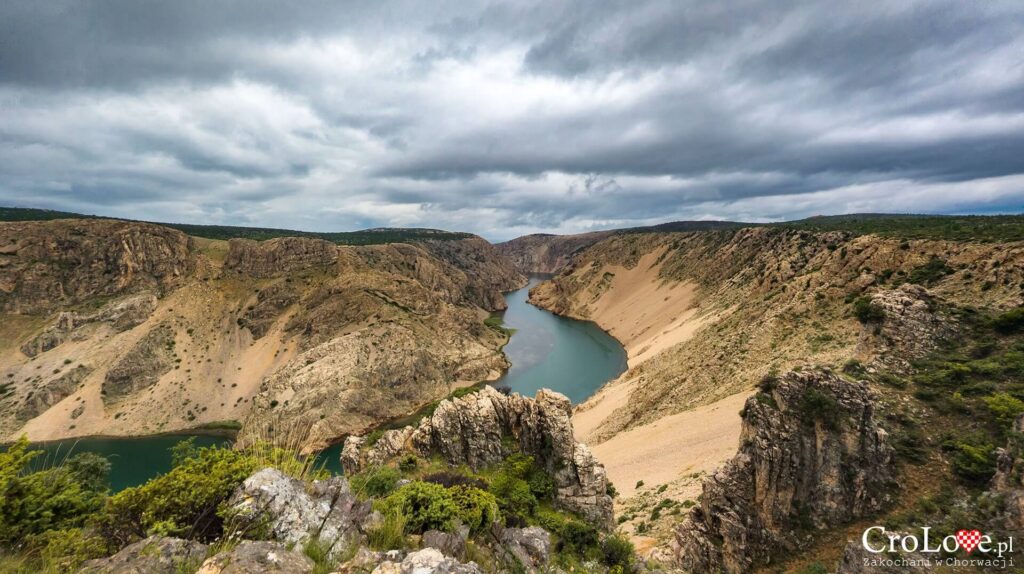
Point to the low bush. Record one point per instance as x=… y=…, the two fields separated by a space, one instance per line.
x=376 y=483
x=617 y=551
x=866 y=311
x=974 y=459
x=57 y=498
x=429 y=506
x=183 y=502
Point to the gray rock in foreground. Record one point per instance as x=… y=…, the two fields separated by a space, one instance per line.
x=154 y=555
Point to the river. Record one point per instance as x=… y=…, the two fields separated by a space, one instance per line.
x=547 y=351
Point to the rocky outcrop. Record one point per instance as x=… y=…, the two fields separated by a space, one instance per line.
x=910 y=325
x=270 y=303
x=121 y=315
x=154 y=555
x=811 y=456
x=545 y=253
x=485 y=427
x=143 y=365
x=279 y=256
x=486 y=272
x=250 y=557
x=48 y=393
x=295 y=511
x=48 y=264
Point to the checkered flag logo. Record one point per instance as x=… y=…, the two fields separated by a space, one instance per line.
x=968 y=539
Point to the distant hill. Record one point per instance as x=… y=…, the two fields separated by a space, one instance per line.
x=375 y=236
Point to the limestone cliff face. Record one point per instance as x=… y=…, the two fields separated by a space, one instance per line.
x=472 y=431
x=48 y=265
x=126 y=328
x=279 y=256
x=812 y=456
x=544 y=253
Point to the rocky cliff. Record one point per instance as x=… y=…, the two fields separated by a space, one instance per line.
x=126 y=328
x=484 y=428
x=49 y=265
x=544 y=253
x=812 y=456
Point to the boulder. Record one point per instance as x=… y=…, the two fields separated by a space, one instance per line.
x=154 y=555
x=250 y=557
x=449 y=543
x=531 y=546
x=296 y=511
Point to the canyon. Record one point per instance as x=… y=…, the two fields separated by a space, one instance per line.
x=743 y=343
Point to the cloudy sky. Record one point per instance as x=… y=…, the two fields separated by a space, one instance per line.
x=512 y=117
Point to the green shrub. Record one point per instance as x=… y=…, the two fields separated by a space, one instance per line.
x=66 y=550
x=376 y=483
x=866 y=311
x=49 y=499
x=515 y=498
x=930 y=272
x=1006 y=408
x=816 y=405
x=617 y=551
x=974 y=460
x=183 y=502
x=1010 y=322
x=578 y=537
x=477 y=509
x=408 y=463
x=426 y=506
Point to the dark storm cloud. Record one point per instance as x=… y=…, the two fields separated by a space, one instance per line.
x=564 y=115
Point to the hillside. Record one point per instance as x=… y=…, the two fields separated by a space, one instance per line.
x=376 y=236
x=125 y=328
x=704 y=316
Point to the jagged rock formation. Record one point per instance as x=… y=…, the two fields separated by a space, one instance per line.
x=811 y=456
x=295 y=511
x=545 y=253
x=473 y=430
x=121 y=314
x=46 y=265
